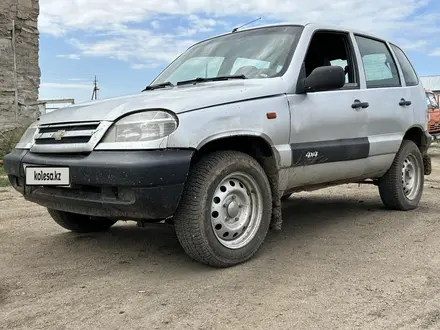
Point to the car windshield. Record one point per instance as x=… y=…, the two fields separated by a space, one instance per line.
x=259 y=53
x=432 y=100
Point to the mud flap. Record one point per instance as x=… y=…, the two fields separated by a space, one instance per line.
x=427 y=168
x=272 y=176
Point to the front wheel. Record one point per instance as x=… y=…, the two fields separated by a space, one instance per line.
x=401 y=187
x=225 y=211
x=80 y=223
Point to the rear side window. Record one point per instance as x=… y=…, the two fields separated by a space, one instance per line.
x=379 y=66
x=408 y=70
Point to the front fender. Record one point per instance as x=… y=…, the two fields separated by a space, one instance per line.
x=235 y=133
x=247 y=118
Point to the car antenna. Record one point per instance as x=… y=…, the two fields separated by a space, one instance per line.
x=236 y=29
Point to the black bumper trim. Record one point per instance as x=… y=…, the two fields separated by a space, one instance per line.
x=116 y=184
x=111 y=168
x=129 y=203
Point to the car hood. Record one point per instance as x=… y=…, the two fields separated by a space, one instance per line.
x=177 y=99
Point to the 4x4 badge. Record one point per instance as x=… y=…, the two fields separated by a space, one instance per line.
x=59 y=135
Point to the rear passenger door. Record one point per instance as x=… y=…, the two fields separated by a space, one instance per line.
x=389 y=108
x=413 y=85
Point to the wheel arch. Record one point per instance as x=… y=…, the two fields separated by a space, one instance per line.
x=417 y=134
x=234 y=135
x=258 y=146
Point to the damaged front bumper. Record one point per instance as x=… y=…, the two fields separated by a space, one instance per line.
x=137 y=185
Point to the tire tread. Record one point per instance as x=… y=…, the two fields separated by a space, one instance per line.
x=187 y=219
x=389 y=184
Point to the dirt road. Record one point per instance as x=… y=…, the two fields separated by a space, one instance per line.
x=341 y=262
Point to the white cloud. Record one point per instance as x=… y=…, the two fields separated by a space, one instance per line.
x=435 y=52
x=136 y=45
x=185 y=32
x=197 y=24
x=203 y=24
x=375 y=15
x=139 y=66
x=155 y=24
x=69 y=56
x=109 y=21
x=65 y=86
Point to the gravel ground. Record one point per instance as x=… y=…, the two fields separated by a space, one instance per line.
x=341 y=262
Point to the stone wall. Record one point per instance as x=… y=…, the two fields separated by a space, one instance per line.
x=25 y=13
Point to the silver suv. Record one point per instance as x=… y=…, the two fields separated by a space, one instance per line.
x=225 y=132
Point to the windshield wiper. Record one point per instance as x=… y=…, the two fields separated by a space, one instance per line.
x=162 y=85
x=219 y=78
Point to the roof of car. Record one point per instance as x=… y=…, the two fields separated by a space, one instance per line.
x=313 y=25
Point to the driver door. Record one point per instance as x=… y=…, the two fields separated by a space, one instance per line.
x=329 y=140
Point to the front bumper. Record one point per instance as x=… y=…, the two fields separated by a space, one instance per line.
x=138 y=185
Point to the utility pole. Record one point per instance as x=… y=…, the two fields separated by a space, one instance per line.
x=95 y=89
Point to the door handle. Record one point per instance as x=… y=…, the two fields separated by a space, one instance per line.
x=403 y=102
x=358 y=104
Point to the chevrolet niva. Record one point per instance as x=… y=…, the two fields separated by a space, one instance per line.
x=234 y=125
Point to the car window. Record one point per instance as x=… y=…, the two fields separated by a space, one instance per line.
x=241 y=62
x=197 y=67
x=379 y=66
x=216 y=57
x=343 y=64
x=407 y=69
x=335 y=49
x=432 y=100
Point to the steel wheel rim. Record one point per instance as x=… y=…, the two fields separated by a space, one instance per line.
x=411 y=177
x=236 y=210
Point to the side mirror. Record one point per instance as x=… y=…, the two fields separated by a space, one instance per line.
x=325 y=78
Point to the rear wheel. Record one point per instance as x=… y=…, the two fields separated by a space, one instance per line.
x=80 y=223
x=401 y=187
x=225 y=211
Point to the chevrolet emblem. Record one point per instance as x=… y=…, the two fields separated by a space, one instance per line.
x=59 y=135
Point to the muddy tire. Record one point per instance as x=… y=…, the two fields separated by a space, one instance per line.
x=79 y=223
x=427 y=164
x=225 y=211
x=401 y=188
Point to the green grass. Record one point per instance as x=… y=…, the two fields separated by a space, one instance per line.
x=4 y=182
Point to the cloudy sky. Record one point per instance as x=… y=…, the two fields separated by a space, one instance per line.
x=127 y=42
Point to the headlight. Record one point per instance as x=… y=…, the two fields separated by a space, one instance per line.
x=142 y=127
x=27 y=138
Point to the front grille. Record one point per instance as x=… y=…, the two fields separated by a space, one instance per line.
x=66 y=134
x=65 y=140
x=69 y=138
x=52 y=129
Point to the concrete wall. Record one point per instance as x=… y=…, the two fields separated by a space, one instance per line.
x=25 y=13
